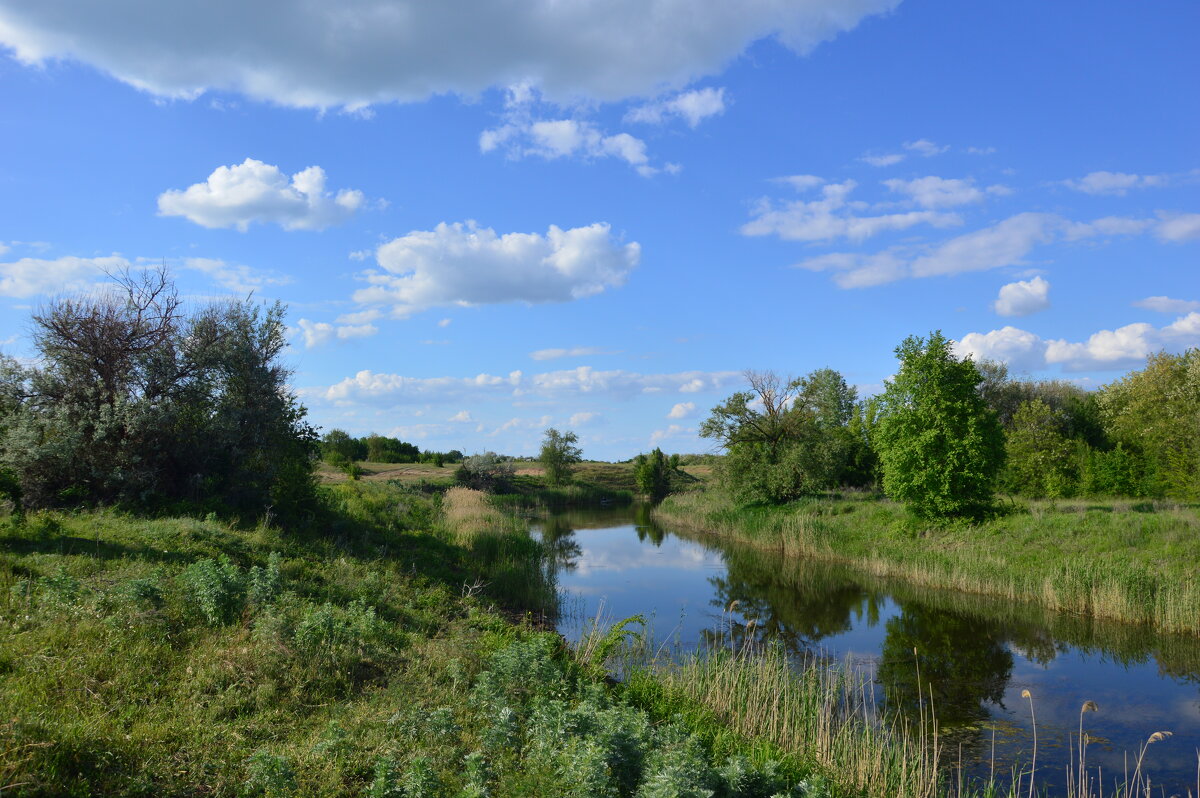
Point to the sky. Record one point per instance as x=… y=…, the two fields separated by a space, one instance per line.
x=489 y=218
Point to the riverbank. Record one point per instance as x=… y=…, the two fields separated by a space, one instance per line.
x=1133 y=562
x=394 y=646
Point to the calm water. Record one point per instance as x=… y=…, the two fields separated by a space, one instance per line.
x=978 y=654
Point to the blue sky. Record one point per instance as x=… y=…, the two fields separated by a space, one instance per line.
x=490 y=218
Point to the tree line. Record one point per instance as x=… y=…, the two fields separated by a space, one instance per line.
x=339 y=448
x=947 y=433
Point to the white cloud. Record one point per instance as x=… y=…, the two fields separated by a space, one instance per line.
x=464 y=264
x=834 y=216
x=1114 y=183
x=320 y=333
x=253 y=191
x=583 y=418
x=887 y=159
x=1122 y=348
x=4 y=247
x=444 y=322
x=395 y=389
x=925 y=148
x=1005 y=243
x=1178 y=228
x=578 y=351
x=318 y=55
x=938 y=192
x=1023 y=297
x=523 y=132
x=682 y=410
x=462 y=417
x=691 y=106
x=1163 y=304
x=234 y=276
x=672 y=431
x=981 y=150
x=29 y=277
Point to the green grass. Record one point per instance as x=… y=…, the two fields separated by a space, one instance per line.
x=387 y=649
x=1131 y=562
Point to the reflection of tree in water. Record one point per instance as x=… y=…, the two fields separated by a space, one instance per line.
x=797 y=612
x=559 y=538
x=646 y=526
x=962 y=662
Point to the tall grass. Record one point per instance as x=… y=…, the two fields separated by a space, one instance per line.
x=1132 y=563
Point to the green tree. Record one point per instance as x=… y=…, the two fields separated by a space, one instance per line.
x=652 y=474
x=939 y=444
x=559 y=455
x=1156 y=412
x=1040 y=458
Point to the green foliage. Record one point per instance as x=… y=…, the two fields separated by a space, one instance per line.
x=135 y=402
x=269 y=776
x=217 y=588
x=785 y=438
x=1156 y=412
x=940 y=446
x=487 y=472
x=559 y=455
x=1040 y=459
x=652 y=473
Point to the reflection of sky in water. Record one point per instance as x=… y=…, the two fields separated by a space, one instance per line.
x=675 y=584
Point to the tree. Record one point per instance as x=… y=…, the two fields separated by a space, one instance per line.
x=488 y=472
x=652 y=474
x=939 y=444
x=559 y=455
x=1039 y=455
x=783 y=438
x=136 y=402
x=1155 y=412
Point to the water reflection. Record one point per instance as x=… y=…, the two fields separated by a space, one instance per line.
x=973 y=655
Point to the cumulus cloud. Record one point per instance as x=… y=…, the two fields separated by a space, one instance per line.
x=320 y=333
x=444 y=322
x=462 y=417
x=1006 y=243
x=464 y=264
x=1164 y=304
x=1023 y=297
x=234 y=276
x=834 y=216
x=1114 y=183
x=672 y=431
x=577 y=351
x=318 y=55
x=253 y=191
x=939 y=192
x=925 y=148
x=395 y=389
x=30 y=277
x=1122 y=348
x=682 y=410
x=692 y=107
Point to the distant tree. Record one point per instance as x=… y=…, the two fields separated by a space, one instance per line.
x=1155 y=412
x=783 y=438
x=652 y=474
x=940 y=446
x=338 y=447
x=1040 y=458
x=559 y=455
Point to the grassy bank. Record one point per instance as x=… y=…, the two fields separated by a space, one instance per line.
x=1131 y=562
x=394 y=647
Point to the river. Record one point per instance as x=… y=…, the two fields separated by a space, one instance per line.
x=977 y=654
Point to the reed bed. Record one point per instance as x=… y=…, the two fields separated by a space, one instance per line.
x=1132 y=563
